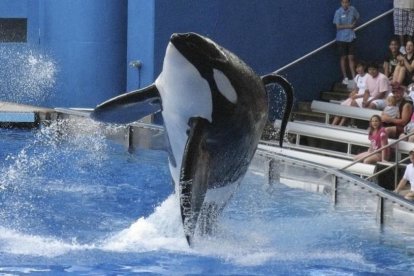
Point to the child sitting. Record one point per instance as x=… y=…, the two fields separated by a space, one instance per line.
x=391 y=109
x=378 y=138
x=356 y=93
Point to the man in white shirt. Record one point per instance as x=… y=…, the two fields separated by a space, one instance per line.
x=408 y=176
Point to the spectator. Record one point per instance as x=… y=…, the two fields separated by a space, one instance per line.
x=377 y=89
x=391 y=61
x=357 y=92
x=408 y=176
x=391 y=110
x=408 y=129
x=395 y=126
x=378 y=138
x=405 y=66
x=345 y=19
x=404 y=21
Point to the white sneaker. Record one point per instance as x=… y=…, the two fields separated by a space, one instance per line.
x=345 y=81
x=402 y=50
x=351 y=84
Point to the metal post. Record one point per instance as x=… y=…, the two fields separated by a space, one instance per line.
x=334 y=189
x=380 y=210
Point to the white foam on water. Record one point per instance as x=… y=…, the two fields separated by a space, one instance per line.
x=161 y=230
x=14 y=242
x=256 y=250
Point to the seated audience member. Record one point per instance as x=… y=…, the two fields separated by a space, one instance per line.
x=378 y=138
x=408 y=176
x=395 y=126
x=410 y=91
x=405 y=66
x=408 y=129
x=391 y=110
x=376 y=90
x=391 y=61
x=357 y=92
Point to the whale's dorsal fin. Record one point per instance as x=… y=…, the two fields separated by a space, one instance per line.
x=288 y=91
x=129 y=107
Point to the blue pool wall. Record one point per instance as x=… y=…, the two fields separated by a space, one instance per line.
x=95 y=42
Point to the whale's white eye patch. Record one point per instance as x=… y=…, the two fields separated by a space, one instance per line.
x=224 y=86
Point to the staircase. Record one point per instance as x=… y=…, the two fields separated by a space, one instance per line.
x=303 y=110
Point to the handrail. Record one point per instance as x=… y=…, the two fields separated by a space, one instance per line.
x=387 y=168
x=331 y=42
x=376 y=151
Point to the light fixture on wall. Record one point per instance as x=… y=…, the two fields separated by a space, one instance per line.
x=138 y=65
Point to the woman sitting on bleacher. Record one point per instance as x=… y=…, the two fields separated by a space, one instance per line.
x=395 y=126
x=356 y=93
x=405 y=67
x=378 y=138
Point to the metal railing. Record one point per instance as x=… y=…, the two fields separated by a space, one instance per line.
x=332 y=42
x=395 y=165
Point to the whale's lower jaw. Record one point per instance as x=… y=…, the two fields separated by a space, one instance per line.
x=203 y=221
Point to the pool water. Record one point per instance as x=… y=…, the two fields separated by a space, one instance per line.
x=73 y=202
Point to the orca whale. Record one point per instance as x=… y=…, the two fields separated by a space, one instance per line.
x=214 y=109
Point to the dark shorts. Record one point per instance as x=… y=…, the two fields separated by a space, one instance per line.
x=398 y=130
x=346 y=48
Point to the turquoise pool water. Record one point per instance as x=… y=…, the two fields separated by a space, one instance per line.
x=72 y=202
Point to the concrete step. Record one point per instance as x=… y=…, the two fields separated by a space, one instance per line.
x=304 y=113
x=308 y=116
x=334 y=95
x=304 y=106
x=339 y=87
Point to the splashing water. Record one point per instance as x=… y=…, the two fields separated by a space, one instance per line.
x=74 y=202
x=26 y=76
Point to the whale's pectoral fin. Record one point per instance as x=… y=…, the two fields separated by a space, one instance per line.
x=194 y=176
x=129 y=107
x=270 y=81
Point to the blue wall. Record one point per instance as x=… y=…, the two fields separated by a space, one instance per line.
x=140 y=43
x=92 y=43
x=85 y=41
x=269 y=34
x=88 y=40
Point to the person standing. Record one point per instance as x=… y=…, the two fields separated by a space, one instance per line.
x=345 y=19
x=403 y=21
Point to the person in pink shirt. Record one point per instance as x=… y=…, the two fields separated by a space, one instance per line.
x=378 y=138
x=376 y=90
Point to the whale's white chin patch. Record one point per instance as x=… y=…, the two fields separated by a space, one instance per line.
x=185 y=94
x=224 y=86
